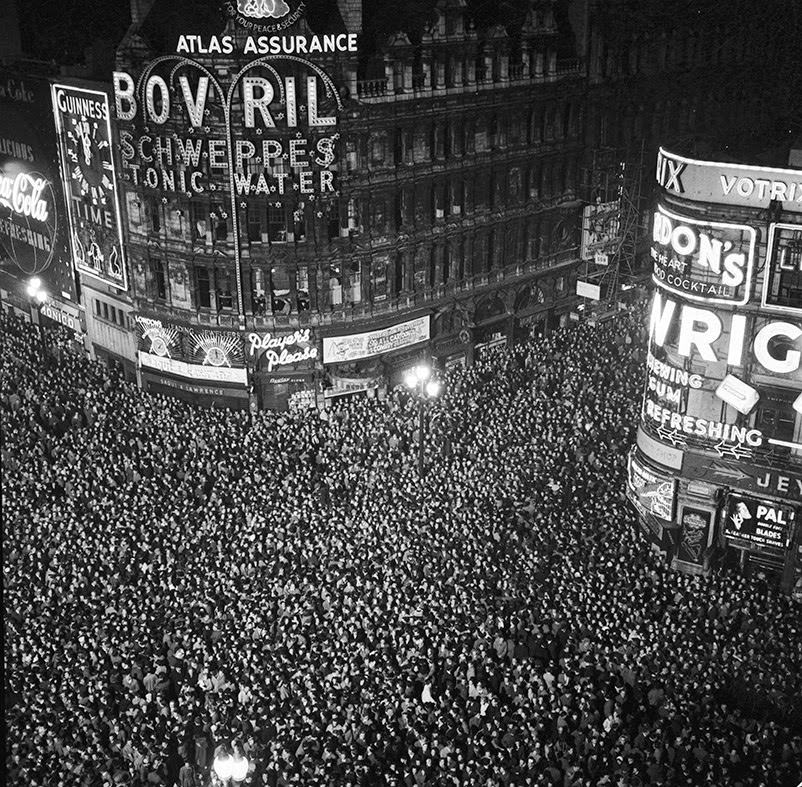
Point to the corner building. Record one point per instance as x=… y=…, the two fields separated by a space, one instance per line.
x=305 y=216
x=716 y=474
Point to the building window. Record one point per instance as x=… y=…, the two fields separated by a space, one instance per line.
x=776 y=417
x=398 y=274
x=258 y=297
x=97 y=308
x=200 y=222
x=225 y=298
x=159 y=279
x=155 y=211
x=355 y=281
x=105 y=311
x=254 y=225
x=276 y=224
x=335 y=285
x=302 y=288
x=299 y=224
x=204 y=288
x=219 y=224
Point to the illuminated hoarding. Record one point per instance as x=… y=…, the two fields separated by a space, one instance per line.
x=83 y=122
x=682 y=405
x=190 y=352
x=601 y=225
x=705 y=261
x=729 y=184
x=293 y=350
x=782 y=283
x=652 y=492
x=343 y=349
x=34 y=235
x=761 y=525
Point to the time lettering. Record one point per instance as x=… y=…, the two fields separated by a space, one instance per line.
x=94 y=215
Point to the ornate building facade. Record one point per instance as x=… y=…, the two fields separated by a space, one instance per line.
x=428 y=206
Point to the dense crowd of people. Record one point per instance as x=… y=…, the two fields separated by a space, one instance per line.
x=181 y=580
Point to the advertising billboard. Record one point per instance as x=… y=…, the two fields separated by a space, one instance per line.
x=652 y=492
x=190 y=352
x=289 y=351
x=34 y=236
x=729 y=184
x=782 y=282
x=601 y=225
x=687 y=390
x=704 y=261
x=83 y=122
x=755 y=524
x=340 y=349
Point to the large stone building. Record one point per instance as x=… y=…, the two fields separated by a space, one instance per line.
x=451 y=201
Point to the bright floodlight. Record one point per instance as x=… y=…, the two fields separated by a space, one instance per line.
x=410 y=379
x=239 y=768
x=423 y=372
x=433 y=388
x=41 y=296
x=223 y=766
x=35 y=282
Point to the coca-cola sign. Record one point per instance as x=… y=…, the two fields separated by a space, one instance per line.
x=33 y=237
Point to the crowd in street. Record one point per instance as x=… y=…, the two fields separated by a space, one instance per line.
x=178 y=580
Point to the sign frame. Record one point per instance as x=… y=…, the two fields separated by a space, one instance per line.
x=766 y=272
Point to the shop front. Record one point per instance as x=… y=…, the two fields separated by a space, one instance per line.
x=285 y=368
x=372 y=361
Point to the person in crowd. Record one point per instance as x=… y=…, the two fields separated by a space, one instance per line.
x=181 y=581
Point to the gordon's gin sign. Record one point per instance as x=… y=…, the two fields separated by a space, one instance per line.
x=704 y=261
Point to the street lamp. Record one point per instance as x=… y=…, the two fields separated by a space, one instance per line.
x=230 y=767
x=419 y=380
x=37 y=295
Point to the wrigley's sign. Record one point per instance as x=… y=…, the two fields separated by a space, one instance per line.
x=729 y=184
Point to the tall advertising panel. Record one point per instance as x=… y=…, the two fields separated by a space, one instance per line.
x=83 y=122
x=34 y=234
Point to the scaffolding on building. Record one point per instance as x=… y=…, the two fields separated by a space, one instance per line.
x=612 y=226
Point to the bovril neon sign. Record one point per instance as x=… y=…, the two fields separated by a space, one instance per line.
x=702 y=331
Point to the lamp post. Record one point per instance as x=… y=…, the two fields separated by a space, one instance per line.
x=230 y=765
x=419 y=380
x=38 y=296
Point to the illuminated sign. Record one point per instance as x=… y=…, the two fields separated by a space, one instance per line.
x=33 y=227
x=782 y=282
x=189 y=348
x=668 y=383
x=264 y=16
x=762 y=525
x=83 y=122
x=587 y=290
x=701 y=332
x=695 y=523
x=600 y=229
x=744 y=476
x=653 y=493
x=279 y=351
x=702 y=260
x=340 y=349
x=729 y=184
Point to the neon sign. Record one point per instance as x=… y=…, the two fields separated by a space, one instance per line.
x=85 y=142
x=701 y=332
x=283 y=350
x=729 y=184
x=23 y=195
x=702 y=260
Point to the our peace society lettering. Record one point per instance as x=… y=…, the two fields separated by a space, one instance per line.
x=729 y=184
x=701 y=332
x=283 y=350
x=702 y=260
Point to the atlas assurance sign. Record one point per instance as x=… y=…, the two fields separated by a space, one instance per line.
x=729 y=184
